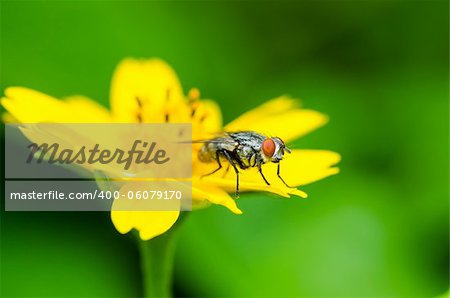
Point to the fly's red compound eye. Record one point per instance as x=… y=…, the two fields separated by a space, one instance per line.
x=268 y=147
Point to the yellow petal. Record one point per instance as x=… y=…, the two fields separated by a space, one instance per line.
x=272 y=107
x=206 y=119
x=303 y=167
x=284 y=121
x=298 y=168
x=92 y=111
x=8 y=118
x=215 y=195
x=149 y=223
x=147 y=91
x=30 y=106
x=247 y=182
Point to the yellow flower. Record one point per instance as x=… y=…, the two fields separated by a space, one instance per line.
x=149 y=91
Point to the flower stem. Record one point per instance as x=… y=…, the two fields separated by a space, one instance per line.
x=157 y=259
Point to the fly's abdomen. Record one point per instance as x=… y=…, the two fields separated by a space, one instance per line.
x=216 y=148
x=207 y=153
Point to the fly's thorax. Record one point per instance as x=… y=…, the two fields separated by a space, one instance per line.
x=264 y=158
x=248 y=156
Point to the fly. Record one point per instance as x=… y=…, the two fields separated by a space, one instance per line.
x=243 y=149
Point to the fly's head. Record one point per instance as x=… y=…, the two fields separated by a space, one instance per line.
x=273 y=149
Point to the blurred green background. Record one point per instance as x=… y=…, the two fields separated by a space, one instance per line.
x=379 y=69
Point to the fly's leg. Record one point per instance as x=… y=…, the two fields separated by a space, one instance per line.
x=226 y=171
x=278 y=174
x=262 y=175
x=230 y=160
x=260 y=170
x=218 y=162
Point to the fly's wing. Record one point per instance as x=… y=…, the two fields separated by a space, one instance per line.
x=224 y=142
x=220 y=138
